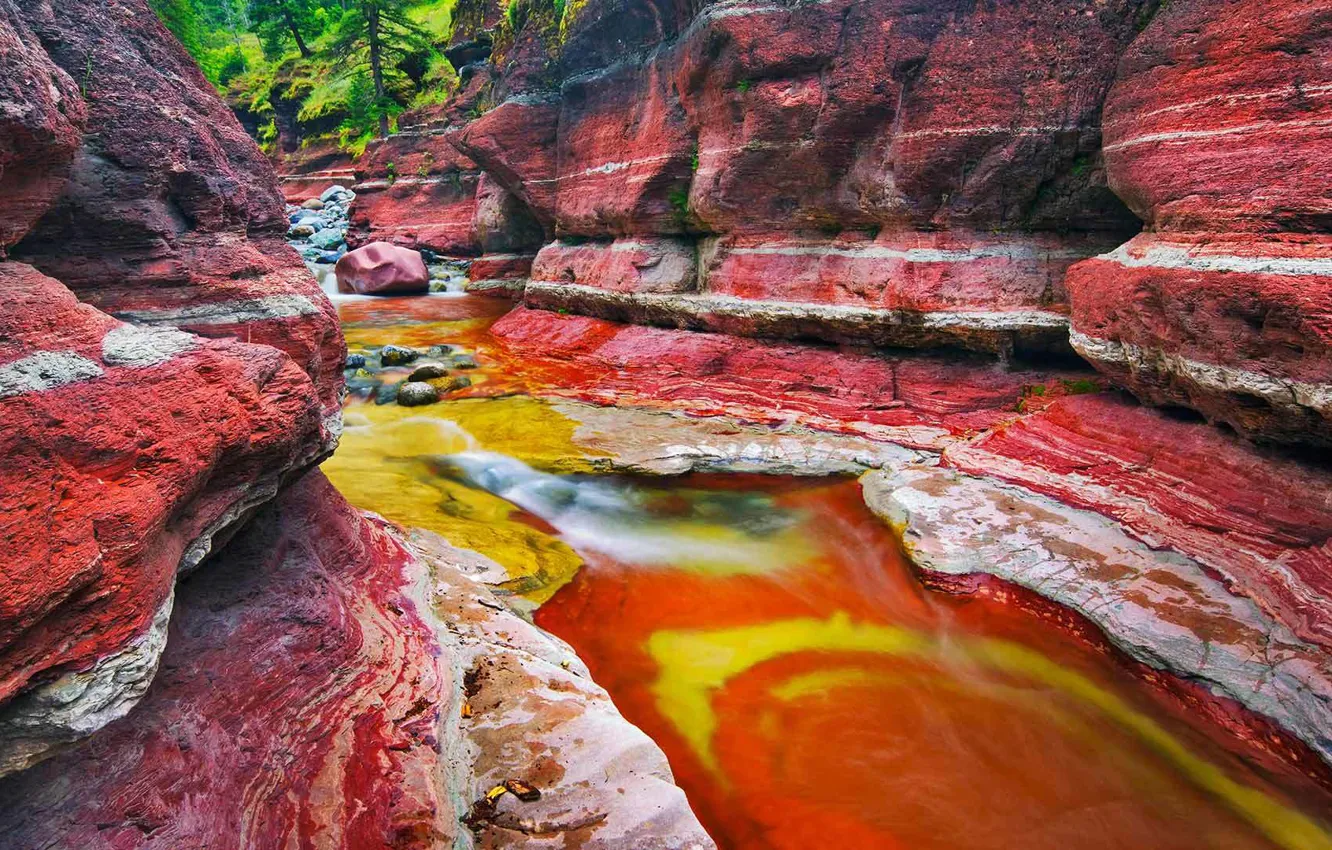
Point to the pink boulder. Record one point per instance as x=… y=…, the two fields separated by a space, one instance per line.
x=382 y=269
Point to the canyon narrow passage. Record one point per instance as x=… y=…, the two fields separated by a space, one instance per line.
x=808 y=686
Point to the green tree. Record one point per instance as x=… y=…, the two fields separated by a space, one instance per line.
x=377 y=35
x=182 y=19
x=282 y=22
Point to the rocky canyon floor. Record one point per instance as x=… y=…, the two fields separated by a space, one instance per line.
x=850 y=621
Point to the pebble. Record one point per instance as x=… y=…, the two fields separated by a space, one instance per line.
x=386 y=393
x=328 y=239
x=354 y=361
x=450 y=383
x=340 y=192
x=416 y=393
x=300 y=231
x=439 y=351
x=397 y=355
x=313 y=204
x=428 y=371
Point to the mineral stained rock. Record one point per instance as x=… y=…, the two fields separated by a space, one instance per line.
x=131 y=452
x=348 y=658
x=143 y=221
x=1217 y=133
x=382 y=269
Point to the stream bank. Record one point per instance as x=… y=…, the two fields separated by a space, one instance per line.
x=806 y=680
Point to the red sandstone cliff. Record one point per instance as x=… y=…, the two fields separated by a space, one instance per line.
x=139 y=210
x=908 y=175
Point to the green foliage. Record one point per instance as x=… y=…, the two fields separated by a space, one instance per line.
x=182 y=19
x=317 y=53
x=1080 y=386
x=743 y=86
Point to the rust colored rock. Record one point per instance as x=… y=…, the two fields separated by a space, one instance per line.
x=171 y=215
x=40 y=128
x=130 y=453
x=907 y=270
x=826 y=125
x=516 y=145
x=1235 y=326
x=382 y=269
x=625 y=154
x=311 y=695
x=414 y=189
x=1218 y=131
x=134 y=448
x=916 y=401
x=626 y=265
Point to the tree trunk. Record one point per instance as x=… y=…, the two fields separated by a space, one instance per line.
x=377 y=70
x=296 y=33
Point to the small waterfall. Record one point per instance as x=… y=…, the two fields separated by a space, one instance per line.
x=636 y=525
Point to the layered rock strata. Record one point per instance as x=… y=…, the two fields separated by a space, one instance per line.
x=1217 y=133
x=166 y=364
x=808 y=170
x=374 y=695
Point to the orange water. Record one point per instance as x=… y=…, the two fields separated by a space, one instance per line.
x=827 y=698
x=839 y=739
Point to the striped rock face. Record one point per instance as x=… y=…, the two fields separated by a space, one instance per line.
x=826 y=170
x=1218 y=133
x=166 y=362
x=131 y=451
x=313 y=693
x=1236 y=327
x=415 y=189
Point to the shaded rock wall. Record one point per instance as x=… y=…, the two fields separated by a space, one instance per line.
x=878 y=157
x=882 y=172
x=347 y=655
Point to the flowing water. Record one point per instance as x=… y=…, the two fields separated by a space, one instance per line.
x=769 y=635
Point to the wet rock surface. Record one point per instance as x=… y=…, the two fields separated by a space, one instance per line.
x=1160 y=607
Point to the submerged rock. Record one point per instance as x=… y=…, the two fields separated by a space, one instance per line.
x=428 y=372
x=417 y=393
x=397 y=355
x=328 y=238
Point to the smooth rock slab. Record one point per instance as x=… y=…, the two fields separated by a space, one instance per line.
x=1159 y=607
x=534 y=714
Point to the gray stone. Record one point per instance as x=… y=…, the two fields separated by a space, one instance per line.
x=132 y=345
x=354 y=361
x=300 y=231
x=416 y=393
x=329 y=238
x=336 y=192
x=428 y=372
x=44 y=370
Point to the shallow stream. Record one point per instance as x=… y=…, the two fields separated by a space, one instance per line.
x=808 y=688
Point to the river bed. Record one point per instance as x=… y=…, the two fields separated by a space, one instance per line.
x=767 y=632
